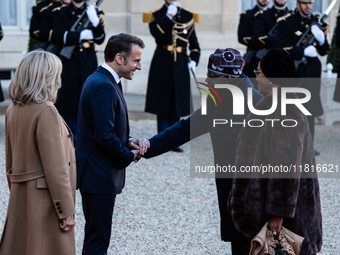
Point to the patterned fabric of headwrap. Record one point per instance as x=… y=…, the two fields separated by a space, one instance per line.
x=226 y=62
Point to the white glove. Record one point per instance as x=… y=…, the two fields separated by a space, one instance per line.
x=311 y=51
x=192 y=65
x=318 y=34
x=172 y=11
x=86 y=34
x=92 y=15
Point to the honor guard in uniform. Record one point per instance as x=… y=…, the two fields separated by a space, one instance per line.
x=46 y=24
x=292 y=37
x=168 y=93
x=266 y=27
x=83 y=60
x=36 y=19
x=245 y=35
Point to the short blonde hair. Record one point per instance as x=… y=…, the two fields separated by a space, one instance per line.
x=37 y=78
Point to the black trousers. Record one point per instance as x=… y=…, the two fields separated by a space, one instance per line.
x=98 y=211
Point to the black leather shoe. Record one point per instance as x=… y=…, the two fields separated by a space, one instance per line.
x=178 y=149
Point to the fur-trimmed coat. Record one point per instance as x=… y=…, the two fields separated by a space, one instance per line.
x=252 y=201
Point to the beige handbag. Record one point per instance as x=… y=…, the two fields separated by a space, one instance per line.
x=264 y=243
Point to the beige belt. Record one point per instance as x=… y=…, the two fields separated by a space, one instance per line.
x=25 y=177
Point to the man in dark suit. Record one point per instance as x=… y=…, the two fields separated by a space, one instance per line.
x=103 y=150
x=168 y=94
x=224 y=67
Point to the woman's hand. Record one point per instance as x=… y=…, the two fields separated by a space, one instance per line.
x=67 y=224
x=275 y=224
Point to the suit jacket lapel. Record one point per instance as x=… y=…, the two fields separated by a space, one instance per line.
x=119 y=92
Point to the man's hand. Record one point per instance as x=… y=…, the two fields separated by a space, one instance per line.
x=140 y=144
x=136 y=156
x=92 y=15
x=275 y=224
x=318 y=34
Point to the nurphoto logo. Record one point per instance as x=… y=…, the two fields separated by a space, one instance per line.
x=239 y=104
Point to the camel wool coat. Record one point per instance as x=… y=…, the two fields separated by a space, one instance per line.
x=41 y=175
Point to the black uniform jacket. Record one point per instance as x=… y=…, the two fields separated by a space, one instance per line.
x=246 y=27
x=264 y=23
x=289 y=33
x=169 y=79
x=46 y=26
x=245 y=36
x=37 y=11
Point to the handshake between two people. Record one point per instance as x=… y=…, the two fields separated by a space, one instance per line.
x=138 y=146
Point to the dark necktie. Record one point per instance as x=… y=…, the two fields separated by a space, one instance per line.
x=120 y=86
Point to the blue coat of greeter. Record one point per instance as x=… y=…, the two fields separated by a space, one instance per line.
x=223 y=139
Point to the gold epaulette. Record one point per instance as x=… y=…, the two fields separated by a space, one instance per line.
x=284 y=17
x=46 y=7
x=196 y=17
x=258 y=12
x=244 y=12
x=148 y=17
x=35 y=5
x=58 y=8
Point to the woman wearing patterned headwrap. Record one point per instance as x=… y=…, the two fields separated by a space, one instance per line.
x=291 y=200
x=225 y=67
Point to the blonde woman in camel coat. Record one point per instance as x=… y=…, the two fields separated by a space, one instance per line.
x=40 y=163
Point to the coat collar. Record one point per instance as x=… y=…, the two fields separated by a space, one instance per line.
x=107 y=73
